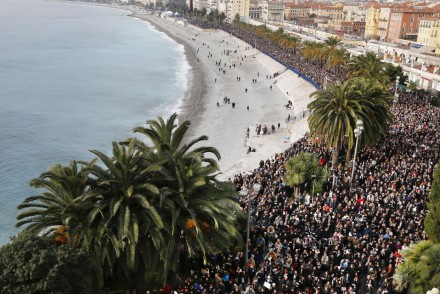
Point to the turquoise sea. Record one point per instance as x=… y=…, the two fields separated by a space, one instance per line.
x=75 y=77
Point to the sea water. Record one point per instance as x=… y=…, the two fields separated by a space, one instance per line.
x=75 y=77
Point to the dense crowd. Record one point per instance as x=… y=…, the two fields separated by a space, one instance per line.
x=342 y=240
x=311 y=69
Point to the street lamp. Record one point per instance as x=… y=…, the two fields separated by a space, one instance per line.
x=256 y=187
x=357 y=134
x=396 y=96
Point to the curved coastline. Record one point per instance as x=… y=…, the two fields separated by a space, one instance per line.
x=196 y=86
x=226 y=127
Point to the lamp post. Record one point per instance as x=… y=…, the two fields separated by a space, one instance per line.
x=255 y=187
x=357 y=134
x=396 y=96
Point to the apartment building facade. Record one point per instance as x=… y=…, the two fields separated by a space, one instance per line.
x=429 y=31
x=404 y=23
x=372 y=20
x=293 y=10
x=272 y=11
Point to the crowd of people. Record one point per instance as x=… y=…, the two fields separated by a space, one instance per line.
x=307 y=68
x=347 y=238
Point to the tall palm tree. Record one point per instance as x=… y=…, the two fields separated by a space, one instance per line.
x=303 y=171
x=167 y=137
x=292 y=42
x=314 y=51
x=125 y=222
x=336 y=110
x=338 y=59
x=332 y=43
x=420 y=271
x=64 y=202
x=200 y=212
x=368 y=66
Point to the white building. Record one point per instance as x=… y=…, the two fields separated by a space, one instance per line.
x=353 y=12
x=233 y=7
x=272 y=11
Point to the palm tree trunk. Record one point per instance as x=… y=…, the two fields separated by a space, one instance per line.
x=335 y=158
x=348 y=156
x=296 y=192
x=335 y=155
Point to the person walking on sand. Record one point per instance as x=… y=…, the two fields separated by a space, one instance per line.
x=247 y=108
x=245 y=90
x=248 y=132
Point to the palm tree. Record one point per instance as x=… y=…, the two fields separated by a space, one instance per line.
x=336 y=110
x=310 y=50
x=294 y=42
x=64 y=203
x=200 y=213
x=303 y=171
x=368 y=66
x=338 y=59
x=125 y=222
x=167 y=137
x=420 y=271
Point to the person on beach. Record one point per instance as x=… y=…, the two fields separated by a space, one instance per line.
x=247 y=108
x=218 y=104
x=248 y=131
x=245 y=90
x=271 y=87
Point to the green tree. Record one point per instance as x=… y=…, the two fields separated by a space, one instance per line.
x=32 y=264
x=432 y=220
x=336 y=110
x=314 y=51
x=201 y=213
x=125 y=226
x=63 y=202
x=338 y=59
x=368 y=66
x=420 y=270
x=395 y=71
x=303 y=172
x=435 y=99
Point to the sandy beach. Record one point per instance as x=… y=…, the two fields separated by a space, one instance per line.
x=214 y=76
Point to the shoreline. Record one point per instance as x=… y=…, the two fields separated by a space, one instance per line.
x=210 y=82
x=226 y=132
x=196 y=85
